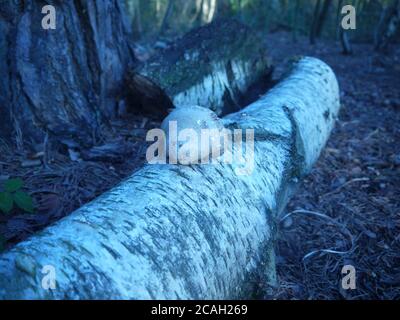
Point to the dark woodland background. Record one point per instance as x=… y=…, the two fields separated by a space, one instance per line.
x=346 y=212
x=316 y=18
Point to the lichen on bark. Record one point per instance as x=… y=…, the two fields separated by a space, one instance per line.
x=186 y=232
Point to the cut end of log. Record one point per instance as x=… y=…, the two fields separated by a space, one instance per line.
x=146 y=97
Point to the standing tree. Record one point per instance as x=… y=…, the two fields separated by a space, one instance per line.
x=314 y=21
x=322 y=18
x=199 y=12
x=343 y=34
x=388 y=26
x=167 y=16
x=64 y=81
x=134 y=10
x=320 y=15
x=295 y=19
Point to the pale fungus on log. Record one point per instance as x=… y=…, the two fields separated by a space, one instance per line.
x=187 y=231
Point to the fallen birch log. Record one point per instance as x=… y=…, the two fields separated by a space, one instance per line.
x=186 y=232
x=200 y=69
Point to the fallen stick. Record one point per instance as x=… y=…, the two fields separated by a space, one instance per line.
x=186 y=232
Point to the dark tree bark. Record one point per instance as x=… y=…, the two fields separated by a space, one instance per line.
x=322 y=18
x=199 y=16
x=338 y=18
x=345 y=42
x=295 y=20
x=314 y=21
x=224 y=9
x=320 y=14
x=68 y=83
x=64 y=81
x=167 y=16
x=138 y=28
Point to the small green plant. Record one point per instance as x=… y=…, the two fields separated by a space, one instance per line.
x=12 y=194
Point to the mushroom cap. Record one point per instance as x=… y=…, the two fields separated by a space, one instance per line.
x=191 y=145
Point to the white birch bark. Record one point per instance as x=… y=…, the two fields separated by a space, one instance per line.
x=186 y=232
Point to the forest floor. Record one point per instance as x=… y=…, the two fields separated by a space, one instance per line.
x=347 y=211
x=349 y=204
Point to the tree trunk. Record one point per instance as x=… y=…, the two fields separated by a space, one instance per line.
x=187 y=232
x=199 y=16
x=338 y=18
x=138 y=30
x=388 y=26
x=63 y=81
x=295 y=20
x=83 y=77
x=202 y=68
x=167 y=16
x=345 y=42
x=314 y=21
x=322 y=18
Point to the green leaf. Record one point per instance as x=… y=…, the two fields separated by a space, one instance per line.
x=23 y=201
x=12 y=185
x=6 y=202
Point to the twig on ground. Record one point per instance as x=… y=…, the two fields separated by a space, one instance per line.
x=344 y=185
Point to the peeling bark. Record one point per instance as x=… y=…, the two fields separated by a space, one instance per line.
x=187 y=232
